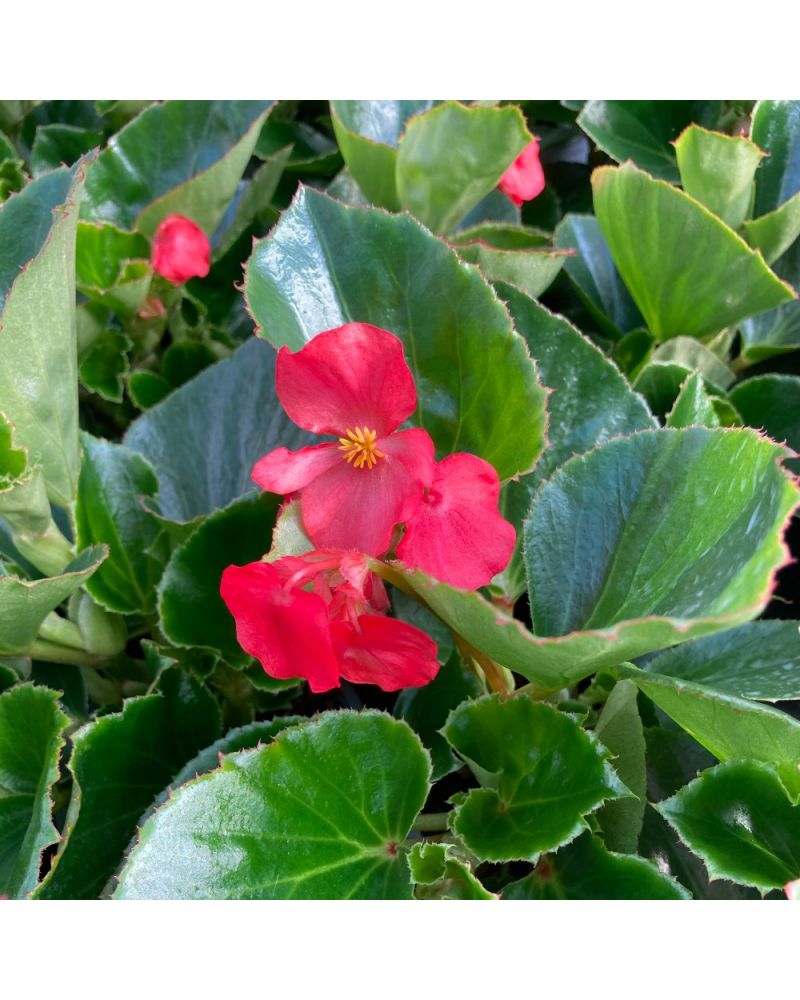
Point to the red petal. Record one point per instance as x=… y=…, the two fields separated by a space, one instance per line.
x=286 y=630
x=348 y=508
x=524 y=179
x=457 y=534
x=180 y=250
x=385 y=652
x=353 y=376
x=283 y=471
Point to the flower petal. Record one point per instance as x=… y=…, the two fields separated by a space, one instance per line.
x=457 y=534
x=180 y=250
x=524 y=179
x=286 y=630
x=284 y=472
x=385 y=652
x=349 y=508
x=352 y=376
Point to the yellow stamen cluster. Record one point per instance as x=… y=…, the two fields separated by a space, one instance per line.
x=359 y=448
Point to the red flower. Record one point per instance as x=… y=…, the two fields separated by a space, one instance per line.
x=456 y=533
x=336 y=629
x=180 y=250
x=353 y=382
x=524 y=179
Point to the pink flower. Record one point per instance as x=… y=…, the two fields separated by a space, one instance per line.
x=180 y=250
x=335 y=629
x=524 y=179
x=457 y=533
x=352 y=382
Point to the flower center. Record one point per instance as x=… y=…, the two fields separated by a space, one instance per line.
x=359 y=448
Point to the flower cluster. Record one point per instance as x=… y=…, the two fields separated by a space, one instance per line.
x=373 y=490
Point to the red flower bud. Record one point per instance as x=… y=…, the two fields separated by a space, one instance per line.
x=524 y=179
x=180 y=250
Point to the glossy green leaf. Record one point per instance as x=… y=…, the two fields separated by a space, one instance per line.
x=644 y=131
x=56 y=145
x=693 y=406
x=177 y=156
x=105 y=362
x=619 y=729
x=112 y=482
x=119 y=764
x=368 y=133
x=191 y=611
x=452 y=156
x=31 y=737
x=426 y=708
x=737 y=818
x=690 y=353
x=194 y=430
x=660 y=382
x=776 y=231
x=38 y=377
x=759 y=660
x=343 y=816
x=440 y=874
x=251 y=204
x=595 y=276
x=688 y=273
x=532 y=271
x=585 y=869
x=776 y=129
x=24 y=604
x=389 y=271
x=112 y=266
x=730 y=728
x=590 y=402
x=718 y=171
x=771 y=402
x=540 y=772
x=308 y=150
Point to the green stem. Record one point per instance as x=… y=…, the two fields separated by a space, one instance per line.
x=51 y=652
x=431 y=823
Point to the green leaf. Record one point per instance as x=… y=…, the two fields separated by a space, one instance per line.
x=595 y=277
x=104 y=363
x=440 y=874
x=541 y=774
x=737 y=818
x=250 y=204
x=776 y=129
x=59 y=144
x=452 y=155
x=660 y=382
x=693 y=406
x=235 y=418
x=38 y=377
x=718 y=171
x=585 y=869
x=776 y=231
x=112 y=266
x=532 y=271
x=112 y=481
x=426 y=709
x=730 y=728
x=24 y=604
x=389 y=271
x=619 y=729
x=643 y=131
x=177 y=156
x=31 y=738
x=690 y=353
x=119 y=764
x=687 y=271
x=759 y=660
x=590 y=402
x=368 y=133
x=342 y=816
x=597 y=557
x=191 y=611
x=771 y=402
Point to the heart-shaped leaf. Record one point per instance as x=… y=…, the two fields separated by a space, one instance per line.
x=298 y=818
x=31 y=728
x=737 y=818
x=391 y=272
x=687 y=271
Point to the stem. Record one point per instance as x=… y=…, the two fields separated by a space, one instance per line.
x=51 y=652
x=498 y=678
x=739 y=364
x=431 y=823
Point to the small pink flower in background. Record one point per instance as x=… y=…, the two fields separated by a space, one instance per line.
x=335 y=629
x=457 y=534
x=792 y=889
x=524 y=179
x=352 y=382
x=180 y=250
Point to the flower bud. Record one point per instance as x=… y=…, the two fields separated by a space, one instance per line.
x=180 y=250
